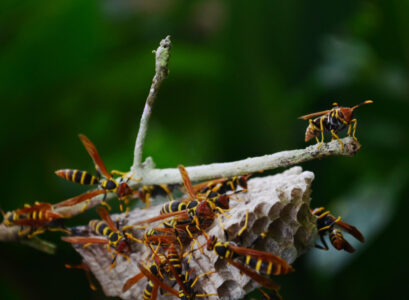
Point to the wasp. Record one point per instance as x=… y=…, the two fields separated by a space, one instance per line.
x=334 y=121
x=222 y=185
x=107 y=234
x=155 y=274
x=326 y=224
x=186 y=291
x=151 y=290
x=256 y=263
x=102 y=178
x=37 y=218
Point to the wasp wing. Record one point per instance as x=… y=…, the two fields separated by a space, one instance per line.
x=265 y=256
x=104 y=214
x=84 y=240
x=131 y=281
x=162 y=217
x=313 y=115
x=263 y=281
x=352 y=230
x=92 y=151
x=186 y=181
x=79 y=199
x=157 y=281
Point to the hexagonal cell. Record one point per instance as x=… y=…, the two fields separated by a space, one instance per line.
x=274 y=211
x=228 y=288
x=304 y=215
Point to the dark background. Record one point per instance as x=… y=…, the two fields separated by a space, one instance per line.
x=241 y=74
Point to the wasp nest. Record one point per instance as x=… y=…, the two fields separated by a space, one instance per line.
x=277 y=204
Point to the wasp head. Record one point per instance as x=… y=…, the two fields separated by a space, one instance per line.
x=204 y=209
x=243 y=181
x=223 y=201
x=124 y=190
x=347 y=113
x=123 y=246
x=211 y=242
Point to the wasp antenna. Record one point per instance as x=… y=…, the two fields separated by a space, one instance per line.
x=363 y=103
x=335 y=104
x=2 y=212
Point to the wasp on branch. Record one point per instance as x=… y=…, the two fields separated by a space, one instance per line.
x=34 y=219
x=41 y=216
x=103 y=178
x=333 y=120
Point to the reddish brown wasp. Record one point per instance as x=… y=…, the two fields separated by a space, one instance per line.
x=108 y=233
x=263 y=262
x=154 y=283
x=326 y=224
x=107 y=183
x=333 y=120
x=34 y=219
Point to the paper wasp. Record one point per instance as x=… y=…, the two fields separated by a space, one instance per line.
x=222 y=185
x=155 y=279
x=108 y=234
x=154 y=283
x=255 y=262
x=186 y=291
x=326 y=223
x=334 y=121
x=107 y=183
x=36 y=219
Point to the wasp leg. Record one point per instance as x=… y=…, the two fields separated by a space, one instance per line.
x=104 y=203
x=353 y=132
x=193 y=238
x=322 y=132
x=261 y=237
x=116 y=172
x=36 y=232
x=195 y=281
x=24 y=231
x=325 y=247
x=337 y=137
x=131 y=237
x=65 y=230
x=244 y=226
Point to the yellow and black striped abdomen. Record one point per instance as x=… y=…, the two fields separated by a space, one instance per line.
x=262 y=266
x=172 y=206
x=174 y=260
x=147 y=293
x=100 y=227
x=77 y=176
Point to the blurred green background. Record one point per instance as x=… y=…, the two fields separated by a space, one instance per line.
x=241 y=74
